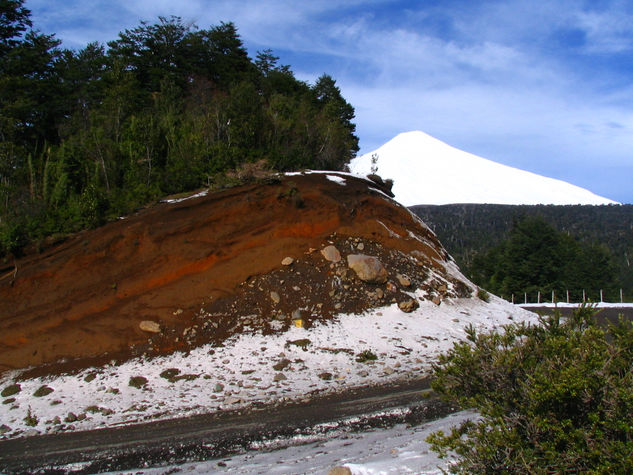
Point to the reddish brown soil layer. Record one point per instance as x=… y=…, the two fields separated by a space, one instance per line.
x=85 y=298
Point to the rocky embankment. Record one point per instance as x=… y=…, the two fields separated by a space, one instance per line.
x=271 y=291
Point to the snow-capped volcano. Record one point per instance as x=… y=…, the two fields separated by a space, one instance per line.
x=428 y=171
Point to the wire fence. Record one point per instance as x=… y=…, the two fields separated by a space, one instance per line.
x=569 y=297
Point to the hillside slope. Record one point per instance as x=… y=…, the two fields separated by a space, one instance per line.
x=428 y=171
x=298 y=284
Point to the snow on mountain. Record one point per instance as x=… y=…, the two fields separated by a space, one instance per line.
x=428 y=171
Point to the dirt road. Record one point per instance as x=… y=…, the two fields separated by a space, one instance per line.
x=216 y=435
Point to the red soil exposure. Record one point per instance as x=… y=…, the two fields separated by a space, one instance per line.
x=84 y=299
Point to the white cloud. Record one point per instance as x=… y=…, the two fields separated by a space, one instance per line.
x=491 y=79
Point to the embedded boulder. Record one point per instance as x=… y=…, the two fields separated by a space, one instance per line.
x=368 y=268
x=331 y=253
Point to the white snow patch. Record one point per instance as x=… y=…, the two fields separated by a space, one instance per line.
x=336 y=179
x=406 y=345
x=178 y=200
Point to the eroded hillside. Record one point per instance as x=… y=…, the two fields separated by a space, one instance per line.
x=208 y=267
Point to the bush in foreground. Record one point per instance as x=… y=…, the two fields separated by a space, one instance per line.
x=552 y=398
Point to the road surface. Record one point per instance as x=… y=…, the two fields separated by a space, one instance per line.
x=209 y=436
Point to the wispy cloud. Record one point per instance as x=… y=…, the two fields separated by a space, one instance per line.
x=539 y=85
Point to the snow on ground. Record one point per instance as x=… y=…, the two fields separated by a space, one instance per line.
x=428 y=171
x=397 y=450
x=241 y=372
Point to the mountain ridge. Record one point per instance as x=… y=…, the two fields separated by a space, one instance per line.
x=456 y=176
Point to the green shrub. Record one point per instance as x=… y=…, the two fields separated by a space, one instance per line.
x=10 y=390
x=552 y=398
x=482 y=294
x=365 y=356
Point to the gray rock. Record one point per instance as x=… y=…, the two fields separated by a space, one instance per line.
x=368 y=268
x=218 y=388
x=279 y=377
x=4 y=429
x=274 y=296
x=331 y=253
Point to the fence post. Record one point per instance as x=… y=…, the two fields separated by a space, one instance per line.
x=525 y=295
x=553 y=296
x=584 y=298
x=601 y=299
x=568 y=296
x=621 y=297
x=538 y=297
x=512 y=298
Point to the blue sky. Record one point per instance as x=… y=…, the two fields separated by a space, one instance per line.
x=542 y=86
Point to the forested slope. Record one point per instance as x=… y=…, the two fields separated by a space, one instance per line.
x=471 y=230
x=88 y=135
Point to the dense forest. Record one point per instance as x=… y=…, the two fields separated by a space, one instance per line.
x=515 y=249
x=89 y=135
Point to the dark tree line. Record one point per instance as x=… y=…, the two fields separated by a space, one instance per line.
x=470 y=231
x=535 y=257
x=91 y=134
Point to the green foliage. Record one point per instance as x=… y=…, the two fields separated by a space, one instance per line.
x=89 y=135
x=482 y=294
x=30 y=420
x=552 y=398
x=473 y=234
x=536 y=257
x=366 y=355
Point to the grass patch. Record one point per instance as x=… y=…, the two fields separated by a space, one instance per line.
x=11 y=390
x=365 y=356
x=43 y=391
x=30 y=419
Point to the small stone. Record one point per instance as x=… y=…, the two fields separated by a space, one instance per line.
x=340 y=471
x=149 y=326
x=408 y=306
x=287 y=261
x=279 y=377
x=71 y=417
x=331 y=253
x=325 y=376
x=298 y=323
x=391 y=287
x=404 y=281
x=389 y=371
x=360 y=246
x=178 y=312
x=274 y=296
x=218 y=388
x=436 y=300
x=338 y=306
x=4 y=429
x=379 y=293
x=283 y=364
x=442 y=288
x=232 y=400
